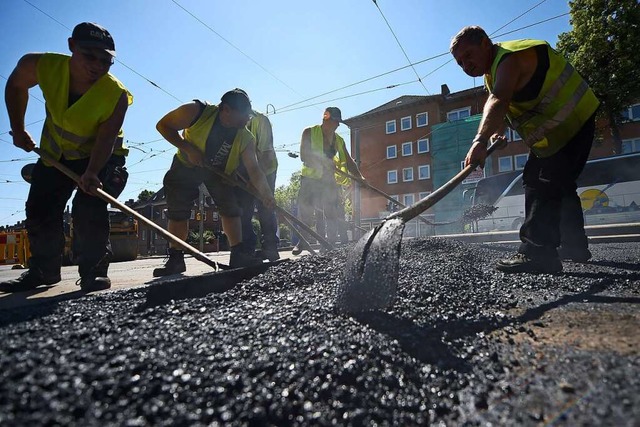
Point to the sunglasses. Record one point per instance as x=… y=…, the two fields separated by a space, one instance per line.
x=105 y=61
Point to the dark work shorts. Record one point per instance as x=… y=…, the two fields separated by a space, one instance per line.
x=181 y=188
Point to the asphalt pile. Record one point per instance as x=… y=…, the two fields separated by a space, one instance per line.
x=462 y=345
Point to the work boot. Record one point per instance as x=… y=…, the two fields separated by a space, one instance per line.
x=297 y=250
x=174 y=265
x=270 y=252
x=240 y=257
x=29 y=280
x=521 y=263
x=94 y=277
x=575 y=255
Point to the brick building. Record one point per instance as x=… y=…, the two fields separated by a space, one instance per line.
x=392 y=144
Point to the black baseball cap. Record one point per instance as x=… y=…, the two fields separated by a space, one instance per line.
x=334 y=114
x=92 y=35
x=238 y=100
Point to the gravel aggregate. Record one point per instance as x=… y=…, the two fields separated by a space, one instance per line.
x=462 y=345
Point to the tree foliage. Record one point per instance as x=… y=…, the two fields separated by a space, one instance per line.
x=287 y=195
x=602 y=46
x=145 y=195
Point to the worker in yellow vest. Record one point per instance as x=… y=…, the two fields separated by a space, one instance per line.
x=260 y=127
x=553 y=109
x=322 y=151
x=85 y=107
x=213 y=136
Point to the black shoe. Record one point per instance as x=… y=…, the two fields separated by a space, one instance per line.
x=91 y=283
x=521 y=263
x=29 y=280
x=576 y=255
x=297 y=250
x=270 y=253
x=239 y=258
x=174 y=265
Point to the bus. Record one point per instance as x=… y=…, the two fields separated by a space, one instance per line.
x=609 y=190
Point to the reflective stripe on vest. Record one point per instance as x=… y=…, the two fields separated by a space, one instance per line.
x=198 y=133
x=563 y=105
x=317 y=146
x=71 y=130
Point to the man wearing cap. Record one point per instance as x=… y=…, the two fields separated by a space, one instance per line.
x=260 y=127
x=321 y=152
x=85 y=108
x=213 y=136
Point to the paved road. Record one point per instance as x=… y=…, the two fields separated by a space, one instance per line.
x=123 y=275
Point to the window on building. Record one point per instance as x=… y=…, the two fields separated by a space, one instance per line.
x=515 y=136
x=193 y=214
x=144 y=234
x=408 y=199
x=423 y=194
x=632 y=113
x=424 y=172
x=458 y=114
x=405 y=123
x=422 y=119
x=505 y=164
x=423 y=145
x=392 y=177
x=407 y=174
x=391 y=127
x=630 y=145
x=392 y=152
x=520 y=160
x=407 y=148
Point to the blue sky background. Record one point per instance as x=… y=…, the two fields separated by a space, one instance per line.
x=282 y=52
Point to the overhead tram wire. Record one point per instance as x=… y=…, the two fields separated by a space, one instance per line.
x=117 y=60
x=287 y=109
x=401 y=48
x=236 y=47
x=517 y=17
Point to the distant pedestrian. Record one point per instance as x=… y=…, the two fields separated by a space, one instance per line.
x=553 y=109
x=85 y=107
x=210 y=136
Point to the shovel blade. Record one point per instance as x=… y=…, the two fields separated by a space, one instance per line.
x=370 y=280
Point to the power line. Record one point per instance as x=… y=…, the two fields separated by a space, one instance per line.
x=401 y=48
x=117 y=60
x=286 y=107
x=517 y=17
x=236 y=47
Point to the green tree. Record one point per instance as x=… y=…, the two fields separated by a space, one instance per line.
x=145 y=195
x=287 y=195
x=602 y=47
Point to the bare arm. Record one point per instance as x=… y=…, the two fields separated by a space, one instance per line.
x=103 y=148
x=509 y=75
x=258 y=180
x=16 y=96
x=173 y=122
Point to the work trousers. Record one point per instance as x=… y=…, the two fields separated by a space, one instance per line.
x=50 y=190
x=266 y=217
x=553 y=213
x=316 y=197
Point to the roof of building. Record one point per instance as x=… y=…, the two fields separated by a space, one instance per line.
x=407 y=100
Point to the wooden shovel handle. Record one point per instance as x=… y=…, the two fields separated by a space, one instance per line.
x=124 y=208
x=416 y=209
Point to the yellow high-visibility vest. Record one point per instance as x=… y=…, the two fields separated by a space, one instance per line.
x=564 y=104
x=260 y=127
x=339 y=160
x=198 y=133
x=72 y=130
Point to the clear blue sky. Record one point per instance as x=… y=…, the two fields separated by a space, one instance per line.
x=281 y=52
